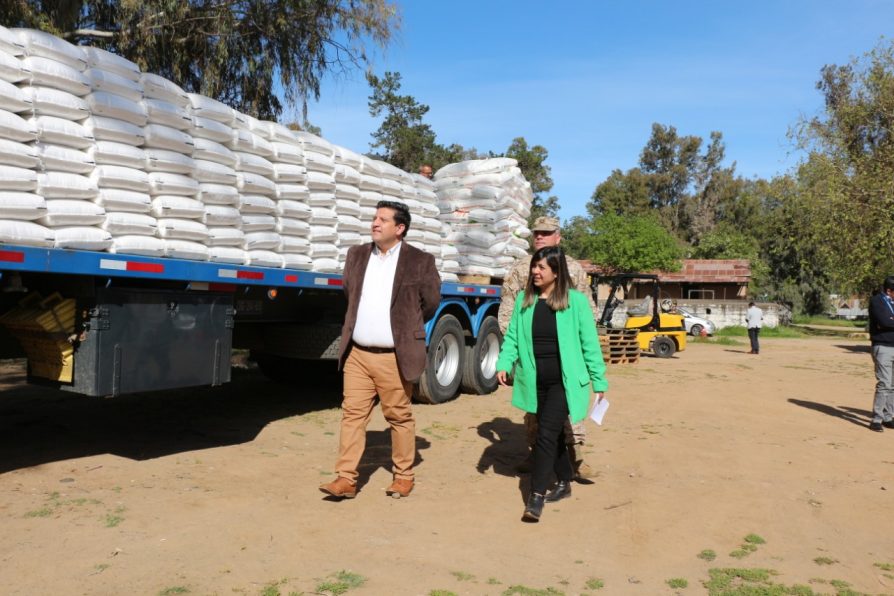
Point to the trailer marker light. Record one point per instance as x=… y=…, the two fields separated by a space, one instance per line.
x=12 y=256
x=117 y=265
x=292 y=278
x=465 y=289
x=327 y=281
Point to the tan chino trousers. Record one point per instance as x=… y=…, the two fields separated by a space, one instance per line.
x=367 y=375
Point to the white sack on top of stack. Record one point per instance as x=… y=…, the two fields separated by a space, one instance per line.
x=484 y=205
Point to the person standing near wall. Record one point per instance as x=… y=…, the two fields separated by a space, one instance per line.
x=881 y=332
x=754 y=318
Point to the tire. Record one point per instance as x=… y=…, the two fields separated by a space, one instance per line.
x=444 y=362
x=663 y=346
x=480 y=367
x=696 y=330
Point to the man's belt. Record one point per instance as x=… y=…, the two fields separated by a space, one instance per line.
x=373 y=349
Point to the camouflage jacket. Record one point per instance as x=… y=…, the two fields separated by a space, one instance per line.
x=517 y=279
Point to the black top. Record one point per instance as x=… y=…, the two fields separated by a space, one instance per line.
x=881 y=320
x=545 y=338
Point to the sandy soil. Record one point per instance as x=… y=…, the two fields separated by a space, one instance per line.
x=215 y=490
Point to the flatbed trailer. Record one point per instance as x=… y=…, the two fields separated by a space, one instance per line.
x=104 y=324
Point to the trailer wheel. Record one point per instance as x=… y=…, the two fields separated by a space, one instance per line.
x=663 y=346
x=480 y=370
x=444 y=362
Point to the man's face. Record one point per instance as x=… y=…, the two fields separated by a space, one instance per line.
x=889 y=293
x=384 y=230
x=542 y=239
x=426 y=171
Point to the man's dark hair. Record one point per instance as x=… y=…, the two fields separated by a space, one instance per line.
x=401 y=214
x=889 y=283
x=751 y=304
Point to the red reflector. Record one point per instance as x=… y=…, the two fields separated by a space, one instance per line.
x=11 y=256
x=249 y=275
x=292 y=278
x=333 y=282
x=490 y=291
x=213 y=287
x=145 y=267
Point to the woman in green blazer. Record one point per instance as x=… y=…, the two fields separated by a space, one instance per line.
x=553 y=344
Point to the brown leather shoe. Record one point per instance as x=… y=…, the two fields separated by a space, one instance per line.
x=340 y=487
x=400 y=488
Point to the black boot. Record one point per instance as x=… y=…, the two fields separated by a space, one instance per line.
x=562 y=491
x=534 y=508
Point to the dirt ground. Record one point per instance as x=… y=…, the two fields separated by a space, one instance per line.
x=214 y=491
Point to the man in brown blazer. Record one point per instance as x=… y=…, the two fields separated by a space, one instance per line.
x=392 y=289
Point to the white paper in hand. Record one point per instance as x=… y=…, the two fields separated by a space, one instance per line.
x=599 y=411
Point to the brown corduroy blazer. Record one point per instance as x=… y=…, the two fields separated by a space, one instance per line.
x=415 y=296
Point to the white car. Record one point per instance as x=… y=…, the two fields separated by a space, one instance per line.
x=695 y=325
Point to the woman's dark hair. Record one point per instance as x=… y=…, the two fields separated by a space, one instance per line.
x=401 y=214
x=555 y=260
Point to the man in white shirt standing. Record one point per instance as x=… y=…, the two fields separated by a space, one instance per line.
x=754 y=318
x=392 y=290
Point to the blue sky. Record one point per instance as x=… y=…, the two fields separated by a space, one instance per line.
x=587 y=79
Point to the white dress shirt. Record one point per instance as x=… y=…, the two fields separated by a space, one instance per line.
x=754 y=317
x=373 y=326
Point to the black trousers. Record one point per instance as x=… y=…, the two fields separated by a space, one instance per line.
x=753 y=332
x=550 y=449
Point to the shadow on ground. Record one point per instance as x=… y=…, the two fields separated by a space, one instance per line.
x=40 y=425
x=857 y=348
x=853 y=415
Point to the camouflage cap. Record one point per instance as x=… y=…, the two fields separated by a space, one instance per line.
x=545 y=224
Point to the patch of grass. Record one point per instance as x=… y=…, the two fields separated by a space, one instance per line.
x=884 y=566
x=750 y=582
x=492 y=581
x=113 y=520
x=526 y=591
x=779 y=332
x=442 y=593
x=344 y=581
x=441 y=431
x=739 y=553
x=42 y=512
x=821 y=320
x=839 y=583
x=271 y=590
x=462 y=575
x=677 y=583
x=594 y=583
x=173 y=590
x=707 y=555
x=824 y=561
x=754 y=539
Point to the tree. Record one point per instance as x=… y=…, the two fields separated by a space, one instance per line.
x=532 y=163
x=254 y=55
x=622 y=194
x=632 y=244
x=846 y=181
x=406 y=141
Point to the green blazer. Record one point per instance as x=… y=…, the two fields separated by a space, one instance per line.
x=579 y=351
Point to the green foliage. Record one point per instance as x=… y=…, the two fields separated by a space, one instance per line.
x=707 y=555
x=174 y=590
x=824 y=561
x=594 y=583
x=677 y=583
x=519 y=590
x=532 y=162
x=404 y=139
x=848 y=189
x=631 y=244
x=754 y=539
x=749 y=582
x=256 y=55
x=343 y=581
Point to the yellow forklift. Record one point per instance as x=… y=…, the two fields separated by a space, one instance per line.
x=661 y=330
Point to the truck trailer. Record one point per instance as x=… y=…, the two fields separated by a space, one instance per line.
x=102 y=324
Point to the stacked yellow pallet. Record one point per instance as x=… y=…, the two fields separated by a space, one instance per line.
x=619 y=346
x=44 y=326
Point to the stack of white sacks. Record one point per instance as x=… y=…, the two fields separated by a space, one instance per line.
x=96 y=155
x=484 y=205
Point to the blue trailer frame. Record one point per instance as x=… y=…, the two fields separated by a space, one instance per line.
x=464 y=305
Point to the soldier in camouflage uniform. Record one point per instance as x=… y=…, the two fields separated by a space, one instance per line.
x=546 y=233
